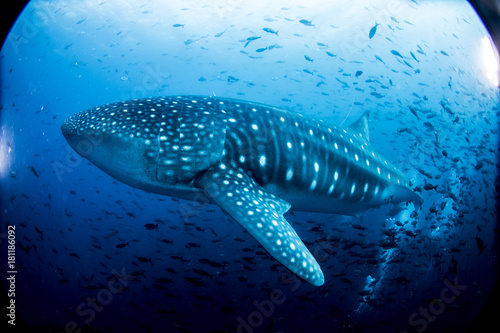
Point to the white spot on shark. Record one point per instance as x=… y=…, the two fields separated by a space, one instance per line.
x=262 y=160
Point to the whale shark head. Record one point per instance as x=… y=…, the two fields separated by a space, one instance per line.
x=157 y=144
x=116 y=141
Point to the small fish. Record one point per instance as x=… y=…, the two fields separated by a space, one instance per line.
x=358 y=73
x=358 y=226
x=396 y=53
x=134 y=274
x=331 y=54
x=376 y=94
x=387 y=244
x=250 y=39
x=271 y=31
x=178 y=25
x=33 y=170
x=144 y=259
x=202 y=272
x=151 y=226
x=480 y=244
x=220 y=34
x=40 y=233
x=189 y=41
x=194 y=281
x=307 y=71
x=308 y=58
x=444 y=53
x=373 y=31
x=410 y=233
x=413 y=56
x=122 y=245
x=414 y=112
x=345 y=85
x=306 y=23
x=346 y=280
x=262 y=49
x=320 y=83
x=407 y=64
x=253 y=38
x=232 y=79
x=211 y=263
x=428 y=124
x=429 y=187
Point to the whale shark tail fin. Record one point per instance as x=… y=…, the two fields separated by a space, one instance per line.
x=406 y=194
x=260 y=213
x=417 y=200
x=360 y=127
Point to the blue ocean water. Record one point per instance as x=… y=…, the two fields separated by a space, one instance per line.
x=86 y=258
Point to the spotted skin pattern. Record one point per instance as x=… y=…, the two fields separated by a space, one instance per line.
x=253 y=160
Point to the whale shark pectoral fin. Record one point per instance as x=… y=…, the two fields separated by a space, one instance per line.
x=261 y=214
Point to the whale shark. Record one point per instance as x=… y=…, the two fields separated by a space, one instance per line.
x=254 y=161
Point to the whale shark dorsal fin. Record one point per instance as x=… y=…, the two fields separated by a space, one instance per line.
x=260 y=213
x=360 y=126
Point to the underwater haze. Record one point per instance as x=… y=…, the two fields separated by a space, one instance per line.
x=88 y=253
